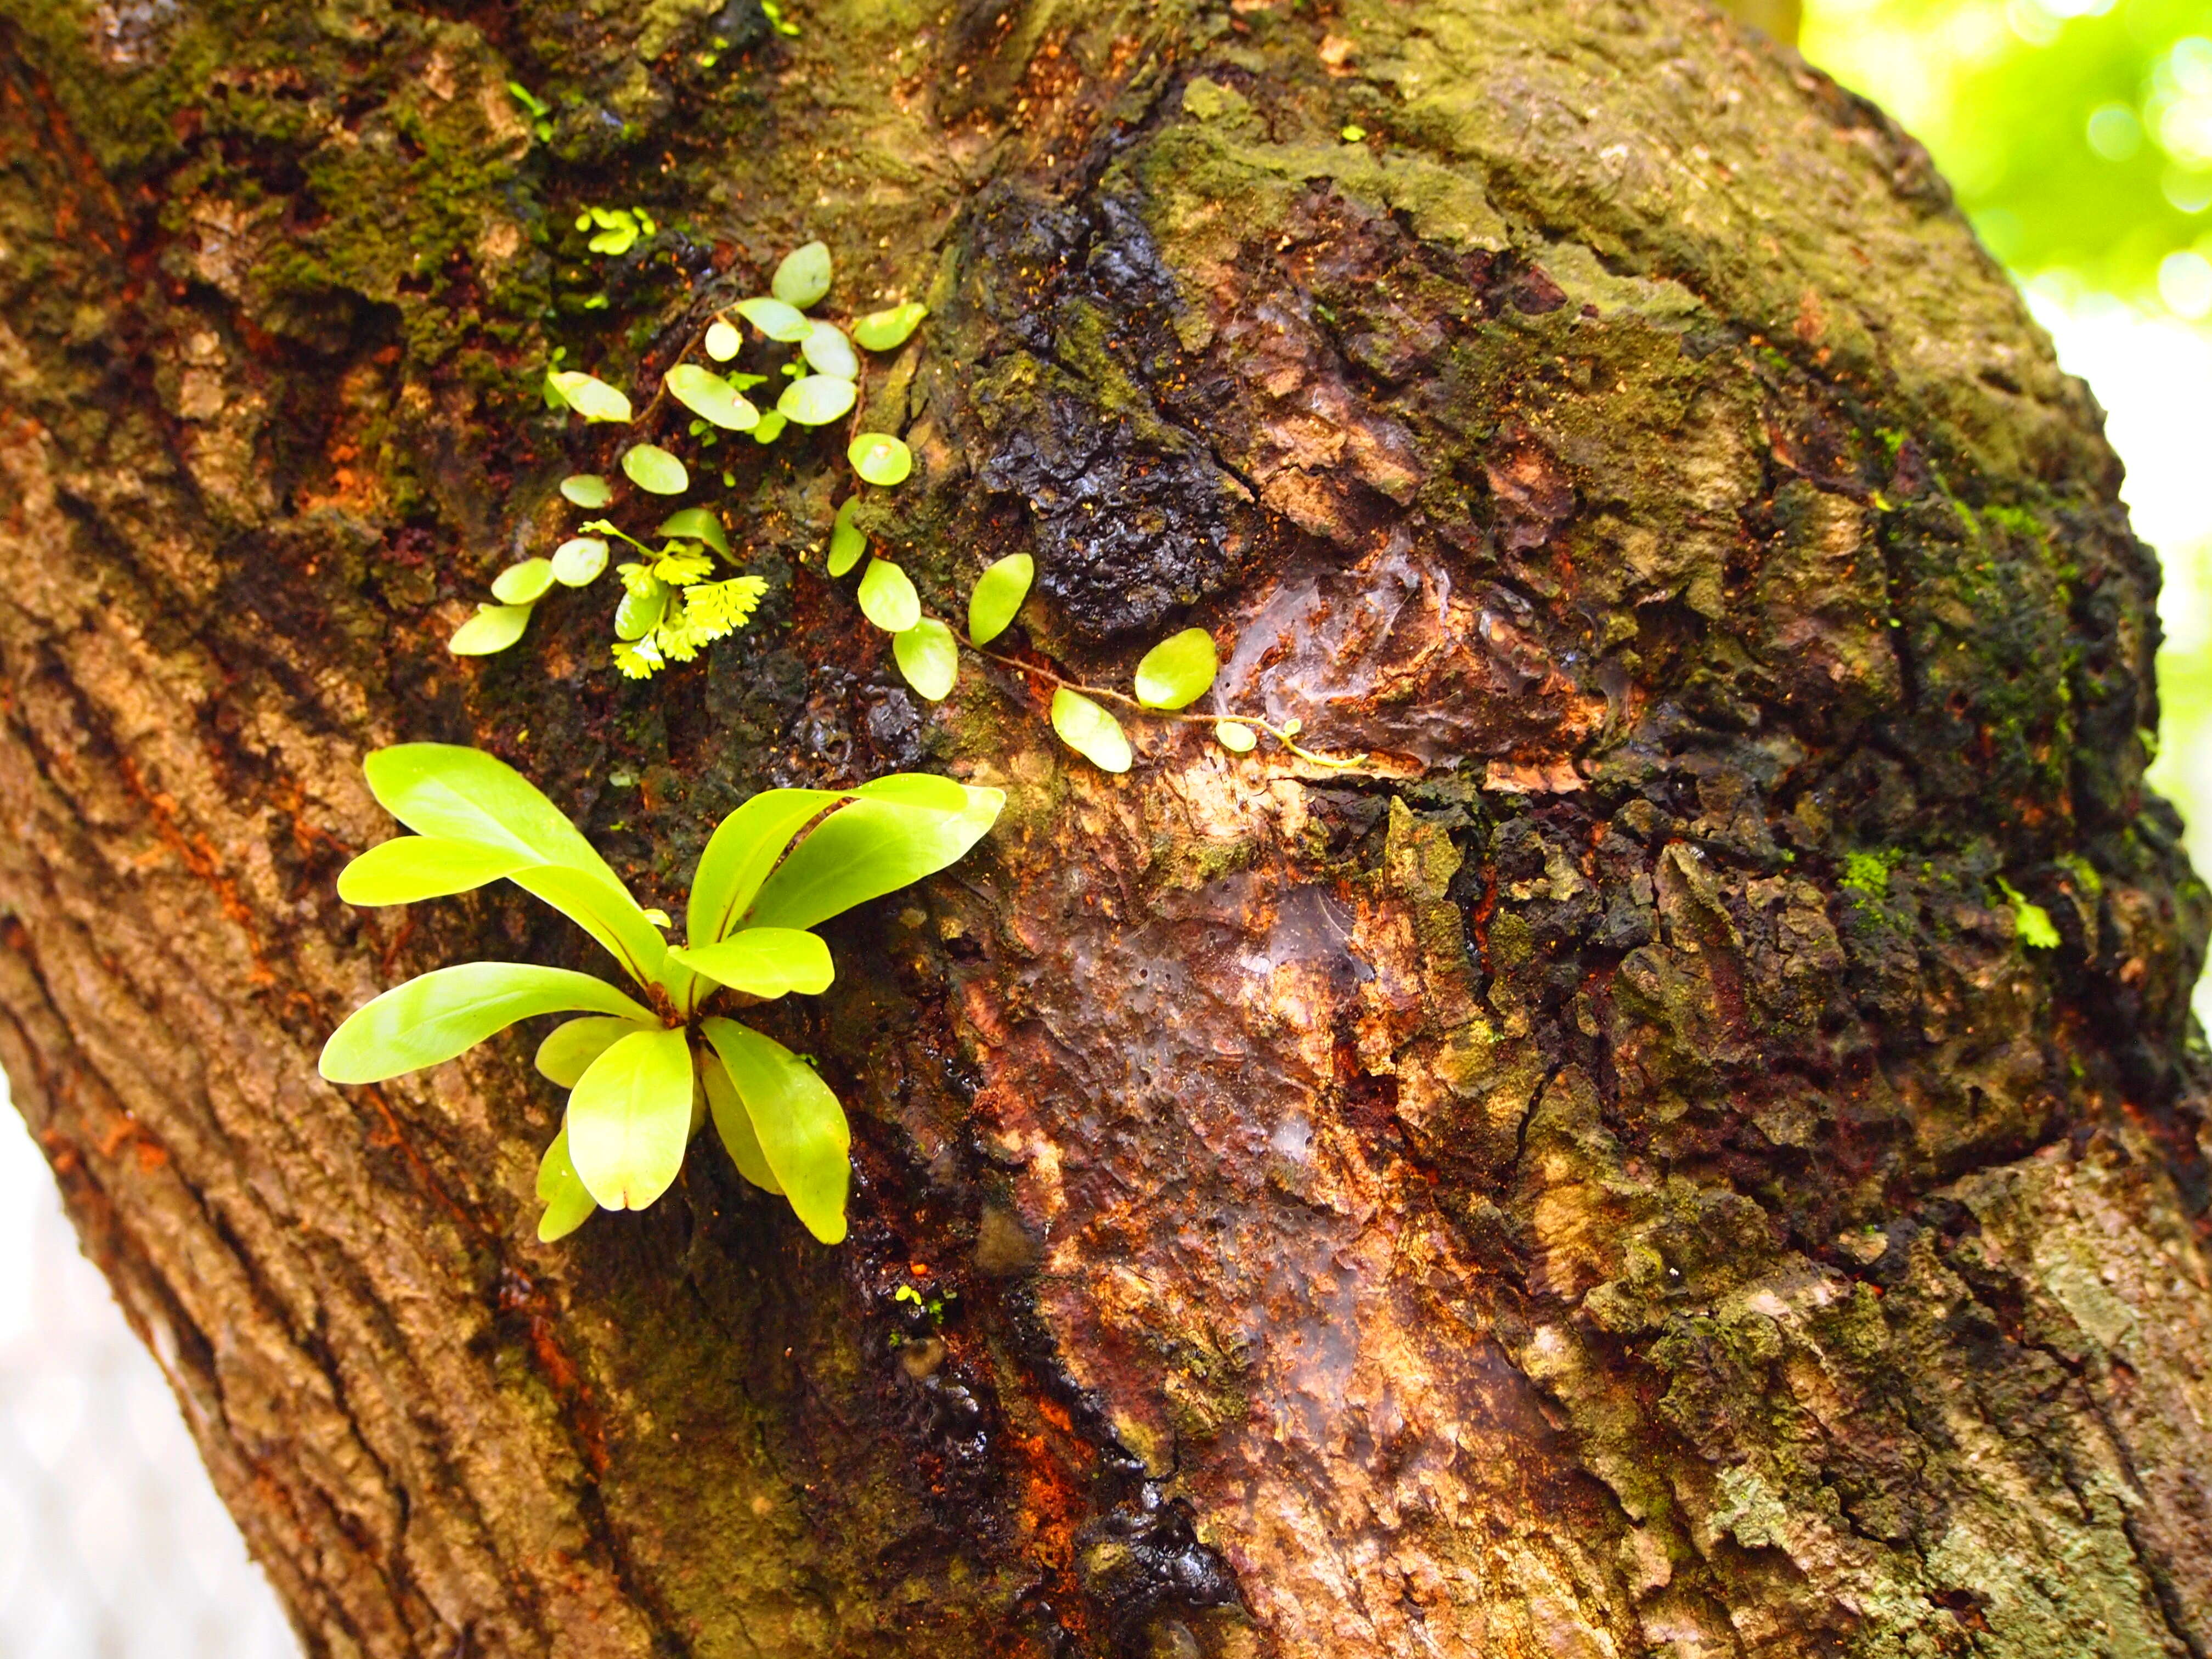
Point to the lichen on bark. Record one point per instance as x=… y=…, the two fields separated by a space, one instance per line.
x=1609 y=1179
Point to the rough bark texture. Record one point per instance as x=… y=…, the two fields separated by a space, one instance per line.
x=1612 y=1181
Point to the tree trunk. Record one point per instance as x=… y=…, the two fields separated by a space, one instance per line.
x=1620 y=1173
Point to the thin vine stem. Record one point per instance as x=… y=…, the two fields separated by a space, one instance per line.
x=1285 y=736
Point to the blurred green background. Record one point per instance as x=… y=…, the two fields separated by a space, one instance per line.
x=2077 y=135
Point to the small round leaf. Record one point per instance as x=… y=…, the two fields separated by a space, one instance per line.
x=831 y=352
x=651 y=467
x=773 y=318
x=817 y=400
x=722 y=341
x=494 y=627
x=928 y=658
x=639 y=614
x=697 y=524
x=846 y=541
x=1178 y=671
x=887 y=597
x=772 y=424
x=577 y=562
x=887 y=331
x=590 y=397
x=523 y=584
x=711 y=397
x=998 y=594
x=880 y=459
x=587 y=490
x=804 y=276
x=1235 y=736
x=1090 y=731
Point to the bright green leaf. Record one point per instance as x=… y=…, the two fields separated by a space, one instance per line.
x=738 y=856
x=589 y=396
x=772 y=424
x=577 y=562
x=697 y=524
x=872 y=846
x=816 y=399
x=722 y=341
x=441 y=1014
x=523 y=584
x=830 y=353
x=763 y=962
x=638 y=614
x=1235 y=735
x=568 y=1203
x=802 y=1132
x=424 y=867
x=587 y=490
x=928 y=658
x=880 y=459
x=926 y=790
x=887 y=331
x=571 y=1047
x=464 y=794
x=887 y=597
x=494 y=627
x=1178 y=671
x=997 y=595
x=1091 y=730
x=712 y=398
x=603 y=909
x=629 y=1116
x=804 y=276
x=775 y=319
x=734 y=1127
x=651 y=467
x=846 y=542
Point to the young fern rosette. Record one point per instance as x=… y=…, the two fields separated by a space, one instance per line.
x=645 y=1071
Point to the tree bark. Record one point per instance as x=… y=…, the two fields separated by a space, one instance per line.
x=1613 y=1176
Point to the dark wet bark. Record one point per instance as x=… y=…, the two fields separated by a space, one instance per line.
x=1612 y=1179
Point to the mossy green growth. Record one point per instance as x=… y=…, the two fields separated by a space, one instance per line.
x=1867 y=874
x=2032 y=920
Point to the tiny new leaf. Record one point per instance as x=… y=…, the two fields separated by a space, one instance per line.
x=830 y=352
x=880 y=459
x=493 y=629
x=1091 y=730
x=928 y=658
x=651 y=467
x=997 y=595
x=816 y=399
x=523 y=584
x=804 y=276
x=577 y=562
x=1178 y=671
x=887 y=597
x=847 y=542
x=590 y=397
x=774 y=317
x=697 y=524
x=887 y=331
x=711 y=397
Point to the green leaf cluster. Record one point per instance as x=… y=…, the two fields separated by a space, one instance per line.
x=644 y=1068
x=668 y=609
